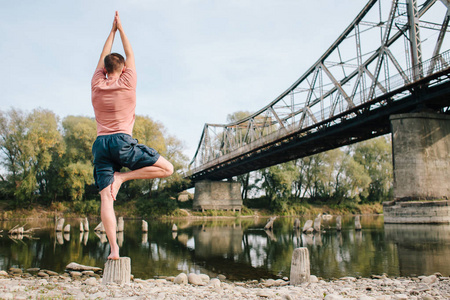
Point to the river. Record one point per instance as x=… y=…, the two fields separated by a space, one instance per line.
x=238 y=248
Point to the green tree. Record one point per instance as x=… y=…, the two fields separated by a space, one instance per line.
x=29 y=142
x=375 y=156
x=76 y=167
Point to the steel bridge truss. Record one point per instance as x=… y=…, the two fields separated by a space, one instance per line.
x=389 y=46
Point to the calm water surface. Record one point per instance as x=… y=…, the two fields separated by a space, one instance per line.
x=238 y=248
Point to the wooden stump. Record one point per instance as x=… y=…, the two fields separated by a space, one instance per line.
x=300 y=268
x=296 y=224
x=317 y=224
x=67 y=228
x=120 y=224
x=86 y=224
x=357 y=223
x=81 y=226
x=269 y=225
x=174 y=228
x=144 y=226
x=60 y=225
x=100 y=227
x=338 y=223
x=117 y=271
x=307 y=225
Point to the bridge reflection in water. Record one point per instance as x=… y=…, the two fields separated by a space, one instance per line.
x=422 y=245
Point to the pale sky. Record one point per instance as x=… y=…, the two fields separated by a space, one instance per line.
x=197 y=60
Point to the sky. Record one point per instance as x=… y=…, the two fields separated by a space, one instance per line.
x=197 y=61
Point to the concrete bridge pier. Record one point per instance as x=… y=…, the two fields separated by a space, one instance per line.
x=217 y=195
x=421 y=160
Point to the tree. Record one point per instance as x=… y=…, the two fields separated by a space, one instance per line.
x=375 y=156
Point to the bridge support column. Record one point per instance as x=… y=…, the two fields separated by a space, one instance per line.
x=421 y=160
x=220 y=195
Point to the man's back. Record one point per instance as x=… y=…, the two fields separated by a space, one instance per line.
x=114 y=102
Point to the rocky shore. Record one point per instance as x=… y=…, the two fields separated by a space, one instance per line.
x=87 y=284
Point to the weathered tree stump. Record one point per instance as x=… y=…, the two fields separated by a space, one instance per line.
x=174 y=228
x=60 y=224
x=317 y=224
x=117 y=271
x=269 y=224
x=86 y=224
x=144 y=226
x=357 y=223
x=307 y=225
x=338 y=223
x=300 y=267
x=67 y=228
x=100 y=227
x=81 y=226
x=120 y=224
x=296 y=224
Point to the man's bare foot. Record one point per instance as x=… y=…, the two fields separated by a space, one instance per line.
x=115 y=186
x=114 y=252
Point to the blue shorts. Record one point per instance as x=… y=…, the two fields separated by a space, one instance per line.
x=114 y=151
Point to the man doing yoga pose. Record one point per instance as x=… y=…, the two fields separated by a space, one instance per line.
x=113 y=90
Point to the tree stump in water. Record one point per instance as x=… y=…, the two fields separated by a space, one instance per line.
x=86 y=224
x=144 y=226
x=269 y=225
x=300 y=268
x=120 y=224
x=296 y=224
x=338 y=223
x=117 y=271
x=357 y=223
x=60 y=225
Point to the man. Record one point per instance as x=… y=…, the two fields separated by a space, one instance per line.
x=114 y=100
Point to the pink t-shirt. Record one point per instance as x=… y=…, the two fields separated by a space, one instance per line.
x=114 y=102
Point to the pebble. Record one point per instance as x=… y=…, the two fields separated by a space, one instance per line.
x=375 y=288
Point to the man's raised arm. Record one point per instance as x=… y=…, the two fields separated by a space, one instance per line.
x=129 y=55
x=108 y=45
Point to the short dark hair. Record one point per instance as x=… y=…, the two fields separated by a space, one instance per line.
x=114 y=62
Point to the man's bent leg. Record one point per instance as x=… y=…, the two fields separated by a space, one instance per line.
x=161 y=169
x=109 y=221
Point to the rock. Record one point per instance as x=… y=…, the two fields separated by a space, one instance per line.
x=205 y=278
x=3 y=273
x=91 y=281
x=265 y=294
x=75 y=274
x=42 y=274
x=313 y=279
x=195 y=279
x=400 y=297
x=77 y=267
x=221 y=277
x=51 y=273
x=88 y=273
x=269 y=283
x=430 y=279
x=15 y=271
x=33 y=270
x=170 y=278
x=215 y=283
x=333 y=297
x=181 y=279
x=366 y=298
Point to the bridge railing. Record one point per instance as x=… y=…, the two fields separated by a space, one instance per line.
x=329 y=91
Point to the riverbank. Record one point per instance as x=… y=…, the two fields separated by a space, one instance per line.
x=49 y=285
x=128 y=210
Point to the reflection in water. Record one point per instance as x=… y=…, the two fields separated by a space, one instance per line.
x=431 y=241
x=241 y=248
x=217 y=241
